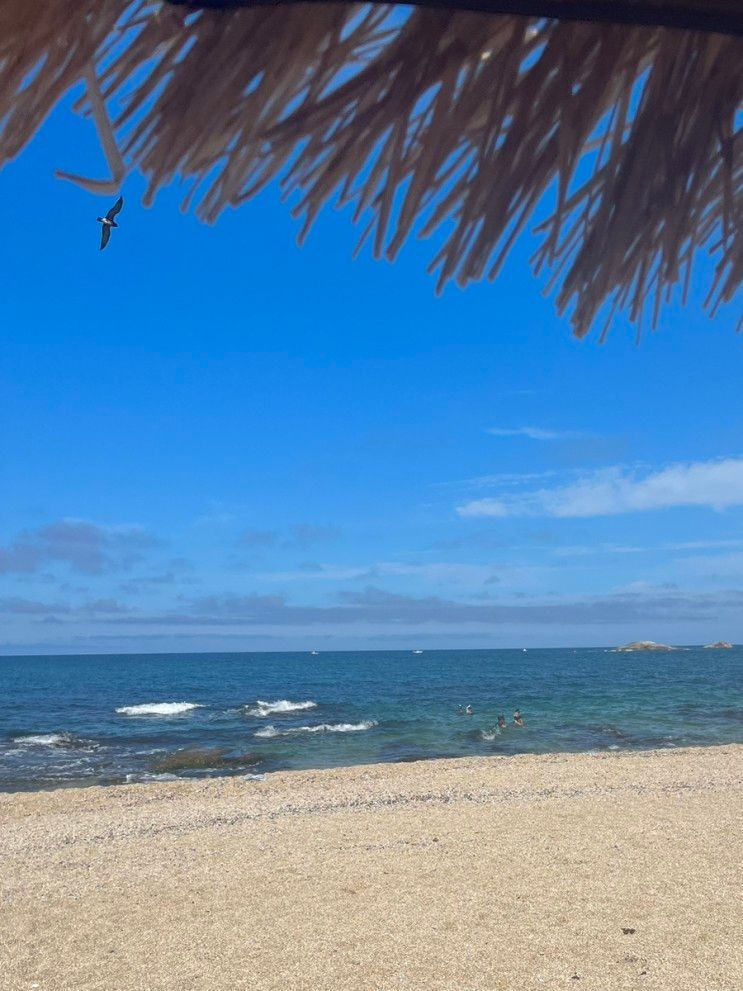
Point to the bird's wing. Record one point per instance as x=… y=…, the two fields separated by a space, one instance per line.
x=115 y=208
x=105 y=235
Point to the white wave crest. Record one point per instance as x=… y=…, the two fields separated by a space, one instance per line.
x=62 y=741
x=281 y=705
x=489 y=735
x=270 y=731
x=158 y=708
x=44 y=740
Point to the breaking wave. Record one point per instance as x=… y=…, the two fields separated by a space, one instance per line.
x=41 y=740
x=281 y=705
x=62 y=741
x=270 y=731
x=158 y=708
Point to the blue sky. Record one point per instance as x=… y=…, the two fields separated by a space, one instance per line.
x=215 y=440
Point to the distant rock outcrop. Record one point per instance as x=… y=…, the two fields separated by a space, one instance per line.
x=720 y=645
x=642 y=645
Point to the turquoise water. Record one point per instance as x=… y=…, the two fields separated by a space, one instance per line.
x=59 y=723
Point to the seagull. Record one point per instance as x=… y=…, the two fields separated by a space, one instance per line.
x=108 y=221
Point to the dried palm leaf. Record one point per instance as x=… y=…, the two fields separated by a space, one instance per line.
x=425 y=120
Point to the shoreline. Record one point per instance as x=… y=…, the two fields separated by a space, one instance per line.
x=255 y=773
x=347 y=784
x=469 y=874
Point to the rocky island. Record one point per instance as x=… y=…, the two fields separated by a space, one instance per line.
x=642 y=645
x=720 y=645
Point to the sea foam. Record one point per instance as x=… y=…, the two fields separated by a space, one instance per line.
x=281 y=705
x=158 y=708
x=270 y=731
x=62 y=741
x=43 y=740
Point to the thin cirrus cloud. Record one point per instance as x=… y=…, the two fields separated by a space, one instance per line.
x=612 y=491
x=533 y=433
x=444 y=572
x=301 y=535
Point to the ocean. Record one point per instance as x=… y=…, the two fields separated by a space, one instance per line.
x=87 y=720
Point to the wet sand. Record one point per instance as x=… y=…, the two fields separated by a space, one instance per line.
x=466 y=875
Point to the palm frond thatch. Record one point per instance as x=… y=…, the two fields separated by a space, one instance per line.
x=424 y=120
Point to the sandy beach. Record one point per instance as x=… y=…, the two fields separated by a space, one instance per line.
x=562 y=871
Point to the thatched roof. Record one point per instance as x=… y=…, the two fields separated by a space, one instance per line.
x=623 y=141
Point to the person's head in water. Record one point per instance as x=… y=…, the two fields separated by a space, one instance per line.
x=469 y=710
x=518 y=718
x=501 y=722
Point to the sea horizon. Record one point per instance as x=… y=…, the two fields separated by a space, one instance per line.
x=309 y=650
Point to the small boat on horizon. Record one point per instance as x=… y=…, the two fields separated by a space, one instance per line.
x=314 y=653
x=417 y=651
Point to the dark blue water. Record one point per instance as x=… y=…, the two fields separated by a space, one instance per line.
x=59 y=723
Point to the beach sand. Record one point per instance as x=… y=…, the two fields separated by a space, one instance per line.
x=464 y=875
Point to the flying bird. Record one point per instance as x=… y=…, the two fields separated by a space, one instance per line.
x=108 y=221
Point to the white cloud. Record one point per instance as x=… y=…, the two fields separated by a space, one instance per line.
x=485 y=507
x=612 y=491
x=533 y=433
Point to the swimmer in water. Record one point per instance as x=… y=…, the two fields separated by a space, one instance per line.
x=469 y=711
x=518 y=718
x=501 y=722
